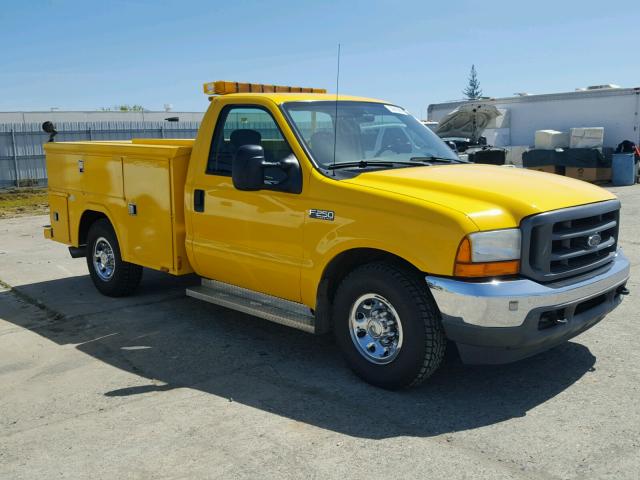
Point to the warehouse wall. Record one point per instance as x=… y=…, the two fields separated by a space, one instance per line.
x=22 y=156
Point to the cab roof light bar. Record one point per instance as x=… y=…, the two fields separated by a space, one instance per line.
x=222 y=87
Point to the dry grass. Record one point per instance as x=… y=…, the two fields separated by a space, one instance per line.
x=17 y=202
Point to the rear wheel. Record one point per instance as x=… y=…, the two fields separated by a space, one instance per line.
x=111 y=275
x=388 y=326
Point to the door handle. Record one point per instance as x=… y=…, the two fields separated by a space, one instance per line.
x=198 y=200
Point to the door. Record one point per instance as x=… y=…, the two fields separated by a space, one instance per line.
x=252 y=239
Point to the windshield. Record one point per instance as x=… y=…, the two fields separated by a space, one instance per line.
x=365 y=132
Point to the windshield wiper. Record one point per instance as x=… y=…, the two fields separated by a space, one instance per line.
x=434 y=159
x=366 y=164
x=414 y=161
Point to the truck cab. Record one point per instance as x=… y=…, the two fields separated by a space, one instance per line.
x=345 y=214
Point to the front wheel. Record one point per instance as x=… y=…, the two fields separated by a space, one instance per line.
x=111 y=275
x=387 y=326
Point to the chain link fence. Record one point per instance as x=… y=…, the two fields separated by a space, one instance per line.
x=22 y=157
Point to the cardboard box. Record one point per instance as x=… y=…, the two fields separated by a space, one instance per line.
x=593 y=175
x=548 y=169
x=551 y=139
x=587 y=137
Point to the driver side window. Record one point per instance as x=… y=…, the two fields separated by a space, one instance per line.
x=238 y=126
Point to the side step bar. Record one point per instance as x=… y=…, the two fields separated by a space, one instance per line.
x=258 y=304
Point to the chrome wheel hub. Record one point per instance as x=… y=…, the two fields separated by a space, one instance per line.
x=375 y=327
x=104 y=260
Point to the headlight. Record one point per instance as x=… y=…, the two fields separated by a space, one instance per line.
x=495 y=246
x=484 y=254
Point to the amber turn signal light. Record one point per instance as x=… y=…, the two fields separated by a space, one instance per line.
x=464 y=267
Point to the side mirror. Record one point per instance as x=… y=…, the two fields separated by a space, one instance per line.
x=247 y=169
x=452 y=145
x=250 y=171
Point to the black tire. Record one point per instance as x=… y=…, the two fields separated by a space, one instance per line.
x=125 y=277
x=423 y=340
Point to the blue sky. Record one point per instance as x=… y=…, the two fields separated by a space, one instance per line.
x=79 y=55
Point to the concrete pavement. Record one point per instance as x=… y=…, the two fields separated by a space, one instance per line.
x=159 y=385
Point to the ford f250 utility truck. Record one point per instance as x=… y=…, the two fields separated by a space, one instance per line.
x=345 y=214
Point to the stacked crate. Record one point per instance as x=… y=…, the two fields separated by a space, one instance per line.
x=578 y=154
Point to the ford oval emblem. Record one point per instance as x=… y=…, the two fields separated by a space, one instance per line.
x=594 y=240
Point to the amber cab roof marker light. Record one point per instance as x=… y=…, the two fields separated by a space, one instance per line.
x=222 y=87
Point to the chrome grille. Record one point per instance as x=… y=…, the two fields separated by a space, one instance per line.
x=571 y=241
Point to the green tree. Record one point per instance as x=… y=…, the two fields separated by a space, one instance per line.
x=473 y=90
x=130 y=108
x=123 y=108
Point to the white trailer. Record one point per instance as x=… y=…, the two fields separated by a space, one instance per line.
x=616 y=109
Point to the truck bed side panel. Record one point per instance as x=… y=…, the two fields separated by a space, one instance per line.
x=59 y=212
x=139 y=188
x=147 y=184
x=98 y=173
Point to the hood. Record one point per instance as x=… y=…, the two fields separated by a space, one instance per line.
x=492 y=197
x=467 y=121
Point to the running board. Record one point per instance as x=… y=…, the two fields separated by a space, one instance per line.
x=258 y=304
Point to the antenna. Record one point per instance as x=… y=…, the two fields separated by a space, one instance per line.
x=335 y=122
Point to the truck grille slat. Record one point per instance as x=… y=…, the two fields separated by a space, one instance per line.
x=581 y=232
x=570 y=241
x=566 y=254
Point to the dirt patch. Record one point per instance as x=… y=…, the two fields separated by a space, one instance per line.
x=16 y=202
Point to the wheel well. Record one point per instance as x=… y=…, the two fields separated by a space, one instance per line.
x=338 y=269
x=89 y=217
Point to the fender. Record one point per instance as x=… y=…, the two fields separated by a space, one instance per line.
x=312 y=274
x=95 y=207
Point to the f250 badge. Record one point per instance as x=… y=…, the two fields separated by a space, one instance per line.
x=322 y=214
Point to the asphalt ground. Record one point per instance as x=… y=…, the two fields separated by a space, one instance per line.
x=159 y=385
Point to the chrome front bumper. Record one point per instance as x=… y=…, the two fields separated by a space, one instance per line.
x=507 y=303
x=505 y=321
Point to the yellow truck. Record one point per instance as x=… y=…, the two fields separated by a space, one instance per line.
x=345 y=214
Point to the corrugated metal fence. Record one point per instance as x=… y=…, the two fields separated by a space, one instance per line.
x=22 y=158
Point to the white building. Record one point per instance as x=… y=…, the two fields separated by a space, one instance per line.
x=614 y=108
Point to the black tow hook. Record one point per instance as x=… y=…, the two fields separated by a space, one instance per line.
x=623 y=290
